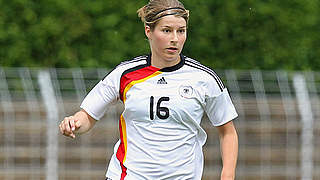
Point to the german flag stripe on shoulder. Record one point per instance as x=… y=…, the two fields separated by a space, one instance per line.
x=136 y=75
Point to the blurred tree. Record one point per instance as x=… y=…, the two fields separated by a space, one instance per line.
x=262 y=34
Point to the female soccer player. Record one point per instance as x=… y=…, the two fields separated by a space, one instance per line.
x=165 y=95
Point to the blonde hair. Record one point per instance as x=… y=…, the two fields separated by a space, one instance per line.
x=152 y=12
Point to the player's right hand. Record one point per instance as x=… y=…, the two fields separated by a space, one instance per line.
x=68 y=126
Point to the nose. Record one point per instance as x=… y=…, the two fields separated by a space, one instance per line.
x=174 y=37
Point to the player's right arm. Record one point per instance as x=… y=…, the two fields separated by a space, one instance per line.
x=79 y=123
x=96 y=102
x=92 y=107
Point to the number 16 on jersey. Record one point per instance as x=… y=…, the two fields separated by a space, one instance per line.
x=161 y=112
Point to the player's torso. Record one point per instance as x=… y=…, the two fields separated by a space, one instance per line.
x=162 y=115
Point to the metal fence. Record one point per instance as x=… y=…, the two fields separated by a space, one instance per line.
x=278 y=125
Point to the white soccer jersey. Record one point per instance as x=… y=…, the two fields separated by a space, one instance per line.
x=160 y=133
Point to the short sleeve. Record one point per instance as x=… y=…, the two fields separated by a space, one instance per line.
x=104 y=93
x=218 y=104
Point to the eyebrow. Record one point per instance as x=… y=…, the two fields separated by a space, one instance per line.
x=171 y=27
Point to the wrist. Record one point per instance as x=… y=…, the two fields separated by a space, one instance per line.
x=227 y=175
x=227 y=178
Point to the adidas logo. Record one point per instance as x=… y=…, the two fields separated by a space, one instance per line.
x=162 y=81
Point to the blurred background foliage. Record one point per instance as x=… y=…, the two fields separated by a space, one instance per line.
x=250 y=34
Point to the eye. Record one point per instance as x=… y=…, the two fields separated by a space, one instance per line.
x=166 y=30
x=181 y=31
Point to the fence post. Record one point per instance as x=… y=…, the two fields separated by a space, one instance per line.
x=35 y=115
x=265 y=123
x=50 y=103
x=289 y=112
x=9 y=133
x=307 y=120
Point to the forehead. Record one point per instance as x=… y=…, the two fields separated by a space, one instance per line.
x=172 y=21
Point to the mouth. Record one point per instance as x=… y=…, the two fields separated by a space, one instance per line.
x=172 y=49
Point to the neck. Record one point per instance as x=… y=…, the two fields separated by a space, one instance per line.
x=163 y=63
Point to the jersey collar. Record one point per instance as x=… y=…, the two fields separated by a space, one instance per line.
x=171 y=68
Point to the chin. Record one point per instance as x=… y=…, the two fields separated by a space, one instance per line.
x=171 y=57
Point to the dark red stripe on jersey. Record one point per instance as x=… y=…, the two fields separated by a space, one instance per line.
x=124 y=172
x=121 y=152
x=134 y=74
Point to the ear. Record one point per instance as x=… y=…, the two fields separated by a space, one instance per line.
x=147 y=31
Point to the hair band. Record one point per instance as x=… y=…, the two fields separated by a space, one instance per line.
x=165 y=15
x=179 y=8
x=169 y=9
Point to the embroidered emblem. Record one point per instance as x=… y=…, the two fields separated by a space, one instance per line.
x=186 y=91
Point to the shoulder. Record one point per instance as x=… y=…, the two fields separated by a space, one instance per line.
x=204 y=72
x=135 y=60
x=128 y=65
x=197 y=66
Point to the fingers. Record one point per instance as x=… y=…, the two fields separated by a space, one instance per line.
x=71 y=123
x=77 y=124
x=67 y=127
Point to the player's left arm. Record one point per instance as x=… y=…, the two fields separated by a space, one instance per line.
x=229 y=150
